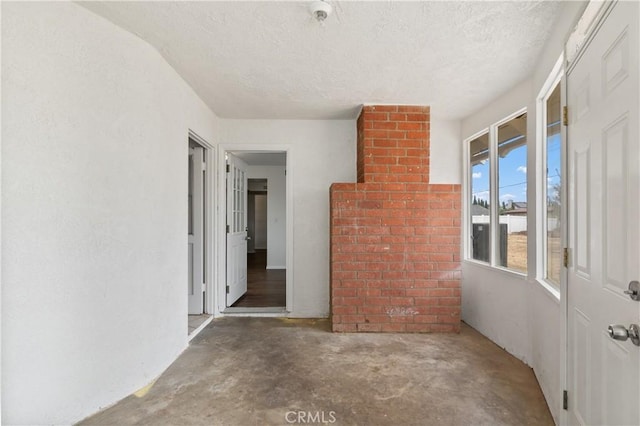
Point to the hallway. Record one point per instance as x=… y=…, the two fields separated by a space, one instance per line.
x=254 y=371
x=265 y=287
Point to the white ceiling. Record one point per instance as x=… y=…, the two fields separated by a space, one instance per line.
x=272 y=60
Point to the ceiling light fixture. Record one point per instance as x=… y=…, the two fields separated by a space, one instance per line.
x=320 y=10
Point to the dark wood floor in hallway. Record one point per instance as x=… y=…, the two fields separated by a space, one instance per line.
x=266 y=288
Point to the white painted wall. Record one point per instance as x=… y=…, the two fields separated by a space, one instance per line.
x=94 y=229
x=1 y=239
x=515 y=311
x=276 y=213
x=324 y=152
x=515 y=99
x=494 y=302
x=446 y=152
x=94 y=212
x=321 y=152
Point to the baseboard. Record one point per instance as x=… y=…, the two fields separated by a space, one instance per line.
x=256 y=312
x=276 y=267
x=201 y=327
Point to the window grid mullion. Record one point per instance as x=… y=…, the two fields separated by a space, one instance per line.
x=493 y=195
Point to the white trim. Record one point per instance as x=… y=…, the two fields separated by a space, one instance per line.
x=564 y=326
x=283 y=314
x=494 y=220
x=509 y=272
x=210 y=220
x=220 y=306
x=494 y=193
x=555 y=293
x=275 y=267
x=511 y=117
x=494 y=187
x=554 y=78
x=549 y=289
x=466 y=202
x=201 y=327
x=1 y=215
x=584 y=30
x=256 y=312
x=524 y=275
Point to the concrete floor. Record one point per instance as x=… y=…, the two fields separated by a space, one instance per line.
x=263 y=371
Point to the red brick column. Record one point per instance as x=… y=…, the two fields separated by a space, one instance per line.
x=395 y=238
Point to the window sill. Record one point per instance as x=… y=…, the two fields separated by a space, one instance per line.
x=549 y=290
x=485 y=265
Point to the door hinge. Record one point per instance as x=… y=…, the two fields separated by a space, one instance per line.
x=227 y=229
x=228 y=168
x=565 y=400
x=204 y=167
x=227 y=289
x=565 y=115
x=565 y=257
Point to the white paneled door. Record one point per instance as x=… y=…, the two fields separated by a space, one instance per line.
x=603 y=373
x=236 y=228
x=197 y=180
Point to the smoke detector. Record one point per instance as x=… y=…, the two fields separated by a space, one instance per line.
x=320 y=10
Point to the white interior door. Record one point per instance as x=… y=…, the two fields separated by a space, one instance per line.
x=603 y=374
x=236 y=229
x=196 y=285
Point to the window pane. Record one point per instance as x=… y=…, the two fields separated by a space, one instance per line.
x=479 y=183
x=512 y=193
x=554 y=187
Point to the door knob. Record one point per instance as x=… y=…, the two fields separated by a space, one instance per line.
x=619 y=332
x=634 y=290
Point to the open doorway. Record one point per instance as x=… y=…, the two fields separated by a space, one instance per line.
x=266 y=283
x=199 y=243
x=256 y=222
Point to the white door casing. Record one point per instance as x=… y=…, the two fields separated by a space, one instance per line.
x=236 y=276
x=196 y=230
x=603 y=375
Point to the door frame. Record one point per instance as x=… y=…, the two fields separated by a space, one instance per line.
x=557 y=75
x=221 y=257
x=209 y=221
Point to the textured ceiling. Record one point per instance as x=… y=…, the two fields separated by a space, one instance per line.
x=273 y=60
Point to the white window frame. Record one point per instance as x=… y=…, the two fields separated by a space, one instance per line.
x=467 y=228
x=556 y=76
x=494 y=210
